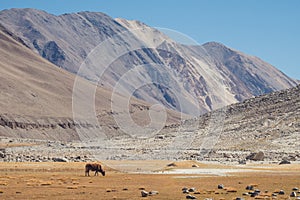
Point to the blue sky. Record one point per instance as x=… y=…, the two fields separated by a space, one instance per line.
x=269 y=29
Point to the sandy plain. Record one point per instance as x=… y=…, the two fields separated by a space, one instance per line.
x=48 y=180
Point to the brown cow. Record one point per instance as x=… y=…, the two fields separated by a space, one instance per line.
x=94 y=167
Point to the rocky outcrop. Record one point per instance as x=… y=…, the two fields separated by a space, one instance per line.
x=30 y=122
x=53 y=53
x=63 y=129
x=256 y=156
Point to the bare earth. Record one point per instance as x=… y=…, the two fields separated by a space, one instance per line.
x=67 y=181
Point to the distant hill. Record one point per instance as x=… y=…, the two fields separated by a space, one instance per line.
x=146 y=63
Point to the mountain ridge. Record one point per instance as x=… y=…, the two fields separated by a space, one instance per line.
x=188 y=79
x=37 y=102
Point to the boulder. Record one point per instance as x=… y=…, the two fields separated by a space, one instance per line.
x=256 y=156
x=284 y=162
x=242 y=162
x=60 y=160
x=2 y=155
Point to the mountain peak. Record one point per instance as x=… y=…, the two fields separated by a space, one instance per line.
x=131 y=22
x=215 y=45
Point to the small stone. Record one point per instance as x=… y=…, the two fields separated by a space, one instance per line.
x=185 y=191
x=194 y=165
x=281 y=192
x=254 y=194
x=192 y=190
x=295 y=189
x=190 y=197
x=257 y=191
x=249 y=187
x=153 y=192
x=220 y=186
x=293 y=194
x=171 y=165
x=144 y=193
x=230 y=189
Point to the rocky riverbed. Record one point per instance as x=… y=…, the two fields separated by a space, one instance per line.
x=156 y=148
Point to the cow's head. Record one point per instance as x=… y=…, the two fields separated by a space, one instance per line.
x=103 y=173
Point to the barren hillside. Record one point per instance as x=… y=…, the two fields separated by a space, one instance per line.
x=36 y=98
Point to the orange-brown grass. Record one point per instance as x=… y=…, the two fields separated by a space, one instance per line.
x=67 y=181
x=6 y=145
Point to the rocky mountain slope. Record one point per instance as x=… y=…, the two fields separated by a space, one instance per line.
x=268 y=123
x=135 y=59
x=37 y=99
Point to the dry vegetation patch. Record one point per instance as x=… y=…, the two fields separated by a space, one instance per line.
x=63 y=181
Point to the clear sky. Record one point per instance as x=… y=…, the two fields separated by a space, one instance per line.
x=269 y=29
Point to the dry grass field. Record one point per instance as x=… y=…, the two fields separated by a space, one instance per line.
x=67 y=181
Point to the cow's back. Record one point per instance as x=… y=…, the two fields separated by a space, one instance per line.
x=93 y=166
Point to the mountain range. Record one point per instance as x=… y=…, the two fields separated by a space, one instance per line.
x=49 y=63
x=134 y=59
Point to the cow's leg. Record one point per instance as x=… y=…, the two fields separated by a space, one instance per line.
x=87 y=173
x=96 y=173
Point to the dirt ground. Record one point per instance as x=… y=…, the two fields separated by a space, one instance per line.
x=67 y=180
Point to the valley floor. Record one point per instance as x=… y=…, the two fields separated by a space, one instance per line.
x=49 y=180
